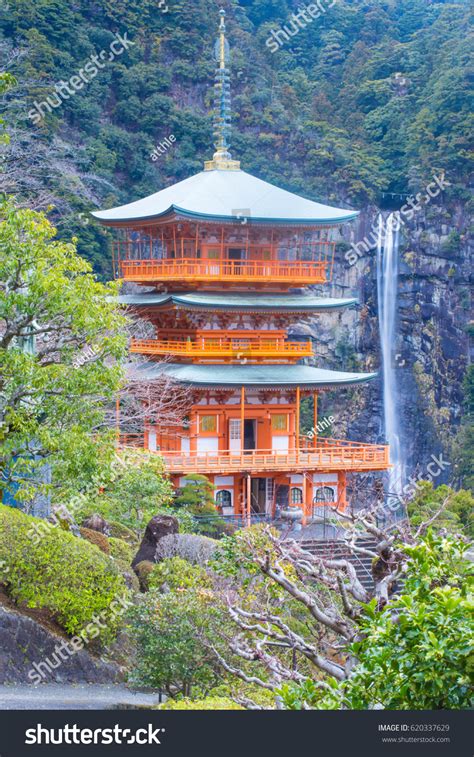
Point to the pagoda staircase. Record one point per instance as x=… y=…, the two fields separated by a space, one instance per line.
x=340 y=551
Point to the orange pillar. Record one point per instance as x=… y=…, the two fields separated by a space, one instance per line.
x=305 y=504
x=341 y=490
x=242 y=418
x=297 y=429
x=315 y=418
x=249 y=500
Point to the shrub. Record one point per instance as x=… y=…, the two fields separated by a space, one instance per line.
x=176 y=573
x=119 y=531
x=52 y=569
x=168 y=630
x=94 y=537
x=194 y=548
x=210 y=703
x=120 y=550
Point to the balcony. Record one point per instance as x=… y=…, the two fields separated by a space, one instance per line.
x=189 y=273
x=327 y=456
x=226 y=348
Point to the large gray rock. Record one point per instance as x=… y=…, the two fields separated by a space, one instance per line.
x=29 y=652
x=158 y=527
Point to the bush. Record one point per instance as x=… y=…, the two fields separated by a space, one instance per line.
x=168 y=630
x=120 y=550
x=174 y=573
x=194 y=548
x=119 y=531
x=211 y=703
x=52 y=569
x=96 y=538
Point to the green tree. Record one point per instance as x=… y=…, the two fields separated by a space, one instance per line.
x=132 y=491
x=61 y=343
x=168 y=629
x=456 y=508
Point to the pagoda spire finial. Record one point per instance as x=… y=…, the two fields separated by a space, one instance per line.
x=222 y=159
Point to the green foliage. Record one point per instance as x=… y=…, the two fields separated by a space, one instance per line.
x=197 y=495
x=197 y=498
x=174 y=574
x=137 y=490
x=119 y=531
x=53 y=570
x=457 y=516
x=120 y=550
x=167 y=630
x=209 y=703
x=7 y=81
x=62 y=340
x=417 y=652
x=340 y=111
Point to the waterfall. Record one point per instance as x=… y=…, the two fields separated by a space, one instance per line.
x=387 y=290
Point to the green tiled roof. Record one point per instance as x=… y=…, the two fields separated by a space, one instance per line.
x=228 y=301
x=248 y=375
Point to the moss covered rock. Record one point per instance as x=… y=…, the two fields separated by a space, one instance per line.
x=95 y=537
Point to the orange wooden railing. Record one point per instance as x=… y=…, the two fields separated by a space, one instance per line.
x=329 y=455
x=224 y=348
x=272 y=271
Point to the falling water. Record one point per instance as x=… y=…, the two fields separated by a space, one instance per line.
x=387 y=288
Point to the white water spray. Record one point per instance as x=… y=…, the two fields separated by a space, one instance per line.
x=387 y=290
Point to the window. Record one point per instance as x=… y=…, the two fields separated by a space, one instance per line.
x=224 y=498
x=234 y=428
x=209 y=423
x=323 y=494
x=280 y=422
x=296 y=496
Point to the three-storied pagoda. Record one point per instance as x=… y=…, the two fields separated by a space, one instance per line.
x=225 y=252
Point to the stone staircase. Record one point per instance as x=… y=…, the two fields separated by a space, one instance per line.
x=338 y=550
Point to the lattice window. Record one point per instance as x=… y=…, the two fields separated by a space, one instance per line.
x=209 y=423
x=224 y=498
x=296 y=496
x=280 y=422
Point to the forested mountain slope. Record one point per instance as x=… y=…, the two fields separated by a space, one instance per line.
x=361 y=107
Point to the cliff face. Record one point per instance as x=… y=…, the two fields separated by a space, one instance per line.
x=432 y=347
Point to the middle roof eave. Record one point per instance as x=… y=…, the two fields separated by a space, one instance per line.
x=228 y=301
x=208 y=376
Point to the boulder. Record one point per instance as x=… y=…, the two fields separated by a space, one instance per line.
x=30 y=655
x=96 y=523
x=158 y=527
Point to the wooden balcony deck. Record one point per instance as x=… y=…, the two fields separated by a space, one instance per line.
x=328 y=455
x=226 y=349
x=271 y=272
